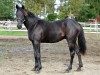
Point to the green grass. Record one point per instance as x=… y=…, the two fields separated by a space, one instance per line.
x=12 y=33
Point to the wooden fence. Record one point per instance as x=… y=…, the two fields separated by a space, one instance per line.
x=90 y=27
x=87 y=26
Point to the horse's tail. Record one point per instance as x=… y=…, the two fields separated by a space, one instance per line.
x=82 y=42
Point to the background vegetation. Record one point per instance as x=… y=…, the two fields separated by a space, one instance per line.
x=7 y=9
x=81 y=9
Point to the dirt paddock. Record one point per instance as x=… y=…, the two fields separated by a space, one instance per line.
x=16 y=57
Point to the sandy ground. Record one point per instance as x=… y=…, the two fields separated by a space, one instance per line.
x=16 y=57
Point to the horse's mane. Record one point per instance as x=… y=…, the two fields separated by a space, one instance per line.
x=30 y=14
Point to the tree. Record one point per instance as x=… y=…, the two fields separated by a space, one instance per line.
x=69 y=7
x=75 y=6
x=6 y=9
x=63 y=8
x=39 y=6
x=86 y=13
x=94 y=4
x=90 y=10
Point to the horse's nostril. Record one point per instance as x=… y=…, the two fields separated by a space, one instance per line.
x=19 y=26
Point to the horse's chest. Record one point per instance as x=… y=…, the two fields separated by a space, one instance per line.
x=34 y=35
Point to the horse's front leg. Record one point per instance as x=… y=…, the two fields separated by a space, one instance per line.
x=37 y=55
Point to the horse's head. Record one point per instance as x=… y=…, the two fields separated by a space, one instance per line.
x=20 y=15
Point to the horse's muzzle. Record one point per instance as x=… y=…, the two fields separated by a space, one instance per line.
x=19 y=26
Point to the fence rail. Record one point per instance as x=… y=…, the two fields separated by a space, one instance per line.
x=11 y=26
x=91 y=27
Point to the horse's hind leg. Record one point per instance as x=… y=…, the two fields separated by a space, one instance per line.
x=71 y=45
x=79 y=58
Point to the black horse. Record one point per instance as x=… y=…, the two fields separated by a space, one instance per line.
x=41 y=31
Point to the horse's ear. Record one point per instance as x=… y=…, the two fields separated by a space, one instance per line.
x=23 y=7
x=17 y=6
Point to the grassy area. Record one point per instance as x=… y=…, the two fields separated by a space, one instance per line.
x=12 y=33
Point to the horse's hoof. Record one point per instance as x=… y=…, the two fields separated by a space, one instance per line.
x=37 y=72
x=34 y=69
x=78 y=69
x=68 y=70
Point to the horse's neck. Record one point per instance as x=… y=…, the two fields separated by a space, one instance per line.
x=26 y=24
x=29 y=21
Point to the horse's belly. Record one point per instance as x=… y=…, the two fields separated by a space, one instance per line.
x=53 y=36
x=52 y=39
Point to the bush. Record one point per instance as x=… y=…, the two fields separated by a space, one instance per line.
x=62 y=15
x=52 y=17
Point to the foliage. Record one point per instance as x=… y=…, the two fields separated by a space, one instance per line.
x=90 y=10
x=51 y=17
x=69 y=7
x=81 y=9
x=62 y=15
x=94 y=4
x=63 y=8
x=86 y=14
x=39 y=6
x=6 y=9
x=75 y=6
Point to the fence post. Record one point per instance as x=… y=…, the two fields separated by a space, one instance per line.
x=90 y=27
x=97 y=30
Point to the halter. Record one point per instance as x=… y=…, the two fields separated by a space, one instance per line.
x=21 y=20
